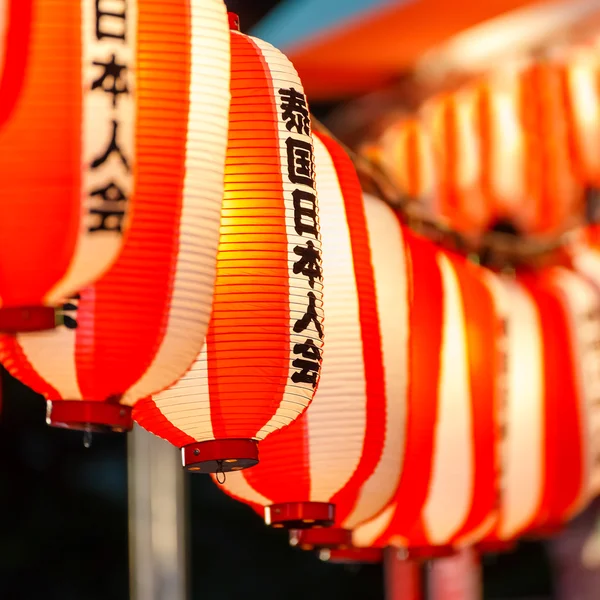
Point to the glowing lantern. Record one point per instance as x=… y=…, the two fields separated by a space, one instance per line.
x=69 y=84
x=549 y=466
x=545 y=119
x=139 y=328
x=405 y=151
x=447 y=493
x=580 y=72
x=449 y=119
x=260 y=366
x=339 y=462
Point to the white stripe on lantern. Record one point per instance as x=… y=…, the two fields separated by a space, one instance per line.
x=585 y=96
x=186 y=403
x=389 y=270
x=451 y=485
x=583 y=311
x=195 y=270
x=524 y=463
x=587 y=263
x=296 y=396
x=59 y=369
x=367 y=534
x=507 y=154
x=342 y=390
x=95 y=251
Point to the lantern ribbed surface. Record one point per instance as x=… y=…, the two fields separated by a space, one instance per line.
x=450 y=124
x=549 y=469
x=345 y=452
x=580 y=77
x=260 y=366
x=138 y=329
x=449 y=479
x=67 y=150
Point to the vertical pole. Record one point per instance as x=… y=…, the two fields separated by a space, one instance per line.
x=157 y=519
x=456 y=577
x=402 y=577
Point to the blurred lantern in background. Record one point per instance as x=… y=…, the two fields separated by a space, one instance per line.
x=338 y=464
x=140 y=326
x=449 y=122
x=549 y=469
x=68 y=153
x=448 y=487
x=405 y=151
x=260 y=366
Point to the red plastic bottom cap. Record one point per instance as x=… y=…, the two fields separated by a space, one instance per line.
x=427 y=552
x=349 y=556
x=15 y=319
x=300 y=515
x=220 y=456
x=96 y=417
x=331 y=537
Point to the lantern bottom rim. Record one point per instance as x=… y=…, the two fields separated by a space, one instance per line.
x=17 y=319
x=94 y=417
x=220 y=456
x=300 y=515
x=321 y=538
x=427 y=552
x=348 y=556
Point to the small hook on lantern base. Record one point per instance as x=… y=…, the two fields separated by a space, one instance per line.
x=300 y=515
x=91 y=417
x=426 y=553
x=220 y=456
x=17 y=319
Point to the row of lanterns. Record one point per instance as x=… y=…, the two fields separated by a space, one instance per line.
x=188 y=241
x=516 y=149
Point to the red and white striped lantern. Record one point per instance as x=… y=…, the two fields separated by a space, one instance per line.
x=550 y=469
x=448 y=486
x=70 y=89
x=338 y=464
x=260 y=365
x=137 y=330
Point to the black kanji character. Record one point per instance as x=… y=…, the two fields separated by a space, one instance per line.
x=309 y=368
x=111 y=213
x=300 y=162
x=295 y=110
x=112 y=147
x=112 y=79
x=305 y=215
x=310 y=262
x=110 y=24
x=309 y=317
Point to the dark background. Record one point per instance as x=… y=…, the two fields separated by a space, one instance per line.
x=63 y=518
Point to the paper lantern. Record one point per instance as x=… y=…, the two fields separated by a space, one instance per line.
x=69 y=83
x=580 y=74
x=260 y=366
x=557 y=195
x=339 y=462
x=447 y=493
x=449 y=120
x=140 y=326
x=405 y=152
x=549 y=468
